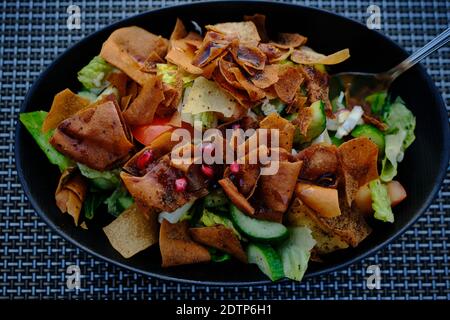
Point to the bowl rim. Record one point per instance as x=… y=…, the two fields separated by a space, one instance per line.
x=444 y=160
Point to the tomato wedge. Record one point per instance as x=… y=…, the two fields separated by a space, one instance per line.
x=146 y=134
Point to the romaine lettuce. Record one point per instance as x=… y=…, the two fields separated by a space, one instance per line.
x=33 y=122
x=296 y=251
x=210 y=219
x=381 y=203
x=400 y=135
x=93 y=75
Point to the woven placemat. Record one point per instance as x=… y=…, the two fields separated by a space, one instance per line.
x=33 y=259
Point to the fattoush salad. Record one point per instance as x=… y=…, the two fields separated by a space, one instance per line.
x=114 y=142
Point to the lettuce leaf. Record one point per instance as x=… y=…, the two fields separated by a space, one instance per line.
x=399 y=137
x=93 y=75
x=33 y=123
x=104 y=180
x=168 y=72
x=381 y=203
x=210 y=219
x=296 y=251
x=377 y=102
x=92 y=203
x=119 y=201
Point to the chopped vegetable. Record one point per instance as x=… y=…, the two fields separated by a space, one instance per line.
x=104 y=180
x=33 y=122
x=400 y=136
x=92 y=203
x=210 y=219
x=267 y=260
x=296 y=251
x=177 y=215
x=371 y=132
x=381 y=203
x=93 y=75
x=377 y=102
x=118 y=201
x=258 y=230
x=352 y=120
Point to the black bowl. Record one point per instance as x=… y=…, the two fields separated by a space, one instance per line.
x=421 y=172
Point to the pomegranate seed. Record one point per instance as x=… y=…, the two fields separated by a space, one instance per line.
x=234 y=167
x=180 y=184
x=236 y=126
x=144 y=159
x=207 y=171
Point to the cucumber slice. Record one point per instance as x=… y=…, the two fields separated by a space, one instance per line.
x=371 y=132
x=267 y=260
x=258 y=230
x=318 y=122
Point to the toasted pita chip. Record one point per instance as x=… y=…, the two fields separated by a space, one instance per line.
x=125 y=102
x=286 y=129
x=237 y=198
x=239 y=95
x=326 y=240
x=119 y=80
x=306 y=55
x=249 y=57
x=273 y=53
x=254 y=93
x=260 y=22
x=179 y=31
x=221 y=238
x=95 y=137
x=71 y=193
x=156 y=189
x=318 y=160
x=209 y=69
x=65 y=104
x=358 y=163
x=142 y=110
x=132 y=89
x=276 y=190
x=206 y=95
x=183 y=59
x=159 y=147
x=131 y=232
x=289 y=40
x=317 y=86
x=375 y=122
x=213 y=45
x=128 y=48
x=149 y=65
x=225 y=67
x=245 y=30
x=290 y=80
x=267 y=77
x=177 y=247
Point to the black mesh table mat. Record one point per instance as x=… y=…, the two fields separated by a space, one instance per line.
x=33 y=259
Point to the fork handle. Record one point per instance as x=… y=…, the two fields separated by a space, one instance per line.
x=420 y=54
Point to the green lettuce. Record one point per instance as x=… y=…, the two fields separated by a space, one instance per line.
x=296 y=251
x=168 y=72
x=33 y=123
x=93 y=75
x=399 y=137
x=104 y=180
x=92 y=202
x=381 y=203
x=377 y=102
x=119 y=201
x=210 y=219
